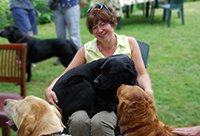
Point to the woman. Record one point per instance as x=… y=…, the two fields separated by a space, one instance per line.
x=101 y=22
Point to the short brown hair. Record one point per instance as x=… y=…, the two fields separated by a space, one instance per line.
x=104 y=15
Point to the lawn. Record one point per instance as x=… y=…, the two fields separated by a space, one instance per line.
x=173 y=66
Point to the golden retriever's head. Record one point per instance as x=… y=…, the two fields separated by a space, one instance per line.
x=33 y=116
x=135 y=106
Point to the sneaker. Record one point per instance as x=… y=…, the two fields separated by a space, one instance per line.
x=57 y=62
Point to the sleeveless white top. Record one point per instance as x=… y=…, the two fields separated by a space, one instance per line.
x=92 y=52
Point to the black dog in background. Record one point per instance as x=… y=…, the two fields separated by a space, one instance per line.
x=92 y=87
x=38 y=49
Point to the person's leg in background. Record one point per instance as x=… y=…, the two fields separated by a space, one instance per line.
x=59 y=21
x=67 y=20
x=33 y=21
x=60 y=24
x=72 y=18
x=21 y=19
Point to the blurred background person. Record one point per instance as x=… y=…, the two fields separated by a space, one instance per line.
x=66 y=18
x=24 y=15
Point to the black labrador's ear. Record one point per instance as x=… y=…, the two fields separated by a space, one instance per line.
x=13 y=32
x=133 y=71
x=12 y=28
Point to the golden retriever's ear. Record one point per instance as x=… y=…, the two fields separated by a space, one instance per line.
x=59 y=116
x=27 y=126
x=120 y=89
x=122 y=113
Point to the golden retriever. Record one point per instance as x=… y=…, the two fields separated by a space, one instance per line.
x=33 y=116
x=137 y=114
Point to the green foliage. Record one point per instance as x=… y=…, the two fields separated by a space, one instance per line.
x=40 y=6
x=84 y=10
x=4 y=4
x=3 y=20
x=5 y=14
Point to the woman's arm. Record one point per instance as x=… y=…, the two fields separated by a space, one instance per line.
x=78 y=60
x=143 y=78
x=187 y=131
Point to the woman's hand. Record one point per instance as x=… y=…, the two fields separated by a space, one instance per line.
x=150 y=93
x=52 y=98
x=187 y=131
x=78 y=60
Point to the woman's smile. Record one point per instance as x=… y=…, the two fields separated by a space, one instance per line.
x=102 y=35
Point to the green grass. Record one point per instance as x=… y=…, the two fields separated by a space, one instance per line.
x=173 y=66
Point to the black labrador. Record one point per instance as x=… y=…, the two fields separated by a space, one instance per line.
x=92 y=87
x=38 y=49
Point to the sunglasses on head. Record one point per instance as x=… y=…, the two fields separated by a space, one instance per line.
x=100 y=6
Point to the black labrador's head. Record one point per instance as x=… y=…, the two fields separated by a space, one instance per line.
x=116 y=70
x=12 y=33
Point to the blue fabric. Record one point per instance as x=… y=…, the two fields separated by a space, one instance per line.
x=24 y=19
x=68 y=3
x=25 y=4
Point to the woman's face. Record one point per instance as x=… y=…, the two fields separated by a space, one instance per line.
x=103 y=31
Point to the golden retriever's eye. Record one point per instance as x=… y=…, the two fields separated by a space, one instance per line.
x=134 y=105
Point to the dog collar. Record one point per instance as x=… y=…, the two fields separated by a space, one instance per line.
x=21 y=39
x=55 y=134
x=133 y=129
